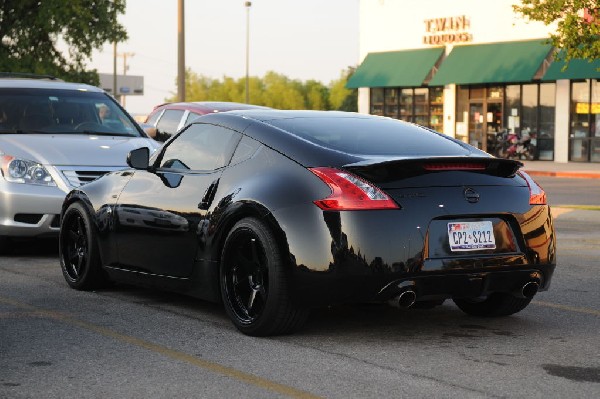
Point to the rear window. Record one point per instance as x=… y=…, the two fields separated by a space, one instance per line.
x=372 y=136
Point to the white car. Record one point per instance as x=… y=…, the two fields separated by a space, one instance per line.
x=55 y=136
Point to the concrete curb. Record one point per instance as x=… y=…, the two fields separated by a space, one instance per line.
x=575 y=175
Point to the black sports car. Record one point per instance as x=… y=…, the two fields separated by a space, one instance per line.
x=276 y=212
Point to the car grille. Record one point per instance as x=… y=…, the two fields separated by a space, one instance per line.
x=79 y=176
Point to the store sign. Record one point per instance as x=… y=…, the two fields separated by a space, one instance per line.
x=447 y=30
x=584 y=108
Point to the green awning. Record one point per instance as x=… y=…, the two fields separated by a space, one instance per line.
x=395 y=68
x=577 y=69
x=504 y=62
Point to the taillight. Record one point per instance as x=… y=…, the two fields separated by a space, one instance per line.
x=349 y=192
x=537 y=196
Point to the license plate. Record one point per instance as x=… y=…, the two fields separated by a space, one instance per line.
x=471 y=236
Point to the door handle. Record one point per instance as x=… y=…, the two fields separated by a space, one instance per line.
x=209 y=196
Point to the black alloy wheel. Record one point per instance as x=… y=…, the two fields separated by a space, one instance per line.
x=78 y=251
x=254 y=284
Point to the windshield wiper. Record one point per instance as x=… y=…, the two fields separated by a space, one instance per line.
x=20 y=131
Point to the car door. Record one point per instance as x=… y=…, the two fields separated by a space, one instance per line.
x=159 y=210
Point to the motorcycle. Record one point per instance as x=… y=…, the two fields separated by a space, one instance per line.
x=512 y=146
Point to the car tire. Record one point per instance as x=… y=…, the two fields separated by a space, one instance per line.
x=78 y=250
x=494 y=305
x=254 y=284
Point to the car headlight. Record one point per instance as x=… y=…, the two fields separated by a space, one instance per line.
x=18 y=170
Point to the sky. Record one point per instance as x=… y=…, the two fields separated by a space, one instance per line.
x=301 y=39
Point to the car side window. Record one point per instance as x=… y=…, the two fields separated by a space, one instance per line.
x=190 y=118
x=201 y=147
x=168 y=123
x=153 y=117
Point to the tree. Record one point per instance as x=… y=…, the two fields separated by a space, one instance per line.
x=31 y=30
x=316 y=94
x=341 y=98
x=273 y=90
x=577 y=21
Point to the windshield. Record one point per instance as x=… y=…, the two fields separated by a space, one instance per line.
x=62 y=111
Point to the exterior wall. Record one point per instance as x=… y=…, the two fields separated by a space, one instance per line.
x=449 y=107
x=390 y=25
x=561 y=135
x=393 y=25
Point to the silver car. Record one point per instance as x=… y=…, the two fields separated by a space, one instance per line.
x=55 y=136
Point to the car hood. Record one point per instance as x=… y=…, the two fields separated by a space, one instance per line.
x=73 y=149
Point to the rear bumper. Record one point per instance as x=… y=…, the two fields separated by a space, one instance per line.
x=344 y=257
x=326 y=289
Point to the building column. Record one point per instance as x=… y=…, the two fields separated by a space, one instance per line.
x=450 y=110
x=562 y=116
x=363 y=100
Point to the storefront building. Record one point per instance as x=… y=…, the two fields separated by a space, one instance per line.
x=475 y=70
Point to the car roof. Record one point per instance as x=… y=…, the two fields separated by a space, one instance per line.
x=207 y=107
x=267 y=114
x=20 y=83
x=294 y=133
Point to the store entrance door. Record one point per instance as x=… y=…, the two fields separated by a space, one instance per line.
x=485 y=120
x=493 y=126
x=476 y=125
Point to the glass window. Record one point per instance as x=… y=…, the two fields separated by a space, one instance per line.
x=513 y=108
x=595 y=109
x=168 y=123
x=436 y=107
x=462 y=113
x=153 y=117
x=190 y=118
x=421 y=115
x=391 y=103
x=377 y=101
x=406 y=105
x=580 y=102
x=547 y=109
x=200 y=147
x=545 y=138
x=529 y=103
x=370 y=136
x=495 y=92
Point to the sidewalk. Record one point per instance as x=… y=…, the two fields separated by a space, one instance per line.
x=571 y=169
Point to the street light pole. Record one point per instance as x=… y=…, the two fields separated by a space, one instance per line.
x=181 y=52
x=248 y=4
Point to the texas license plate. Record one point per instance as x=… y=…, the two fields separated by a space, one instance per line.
x=471 y=236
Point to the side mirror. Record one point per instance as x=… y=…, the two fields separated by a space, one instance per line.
x=139 y=158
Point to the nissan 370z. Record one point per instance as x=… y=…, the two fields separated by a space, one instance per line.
x=277 y=212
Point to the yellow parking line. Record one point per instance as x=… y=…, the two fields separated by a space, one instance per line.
x=568 y=308
x=173 y=354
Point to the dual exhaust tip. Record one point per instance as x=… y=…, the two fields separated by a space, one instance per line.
x=408 y=296
x=530 y=289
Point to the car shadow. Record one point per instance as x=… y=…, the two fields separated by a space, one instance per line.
x=34 y=247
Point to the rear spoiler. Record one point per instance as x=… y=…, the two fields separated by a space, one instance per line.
x=379 y=171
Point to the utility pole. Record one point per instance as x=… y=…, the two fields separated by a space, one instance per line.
x=114 y=91
x=125 y=68
x=248 y=4
x=180 y=51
